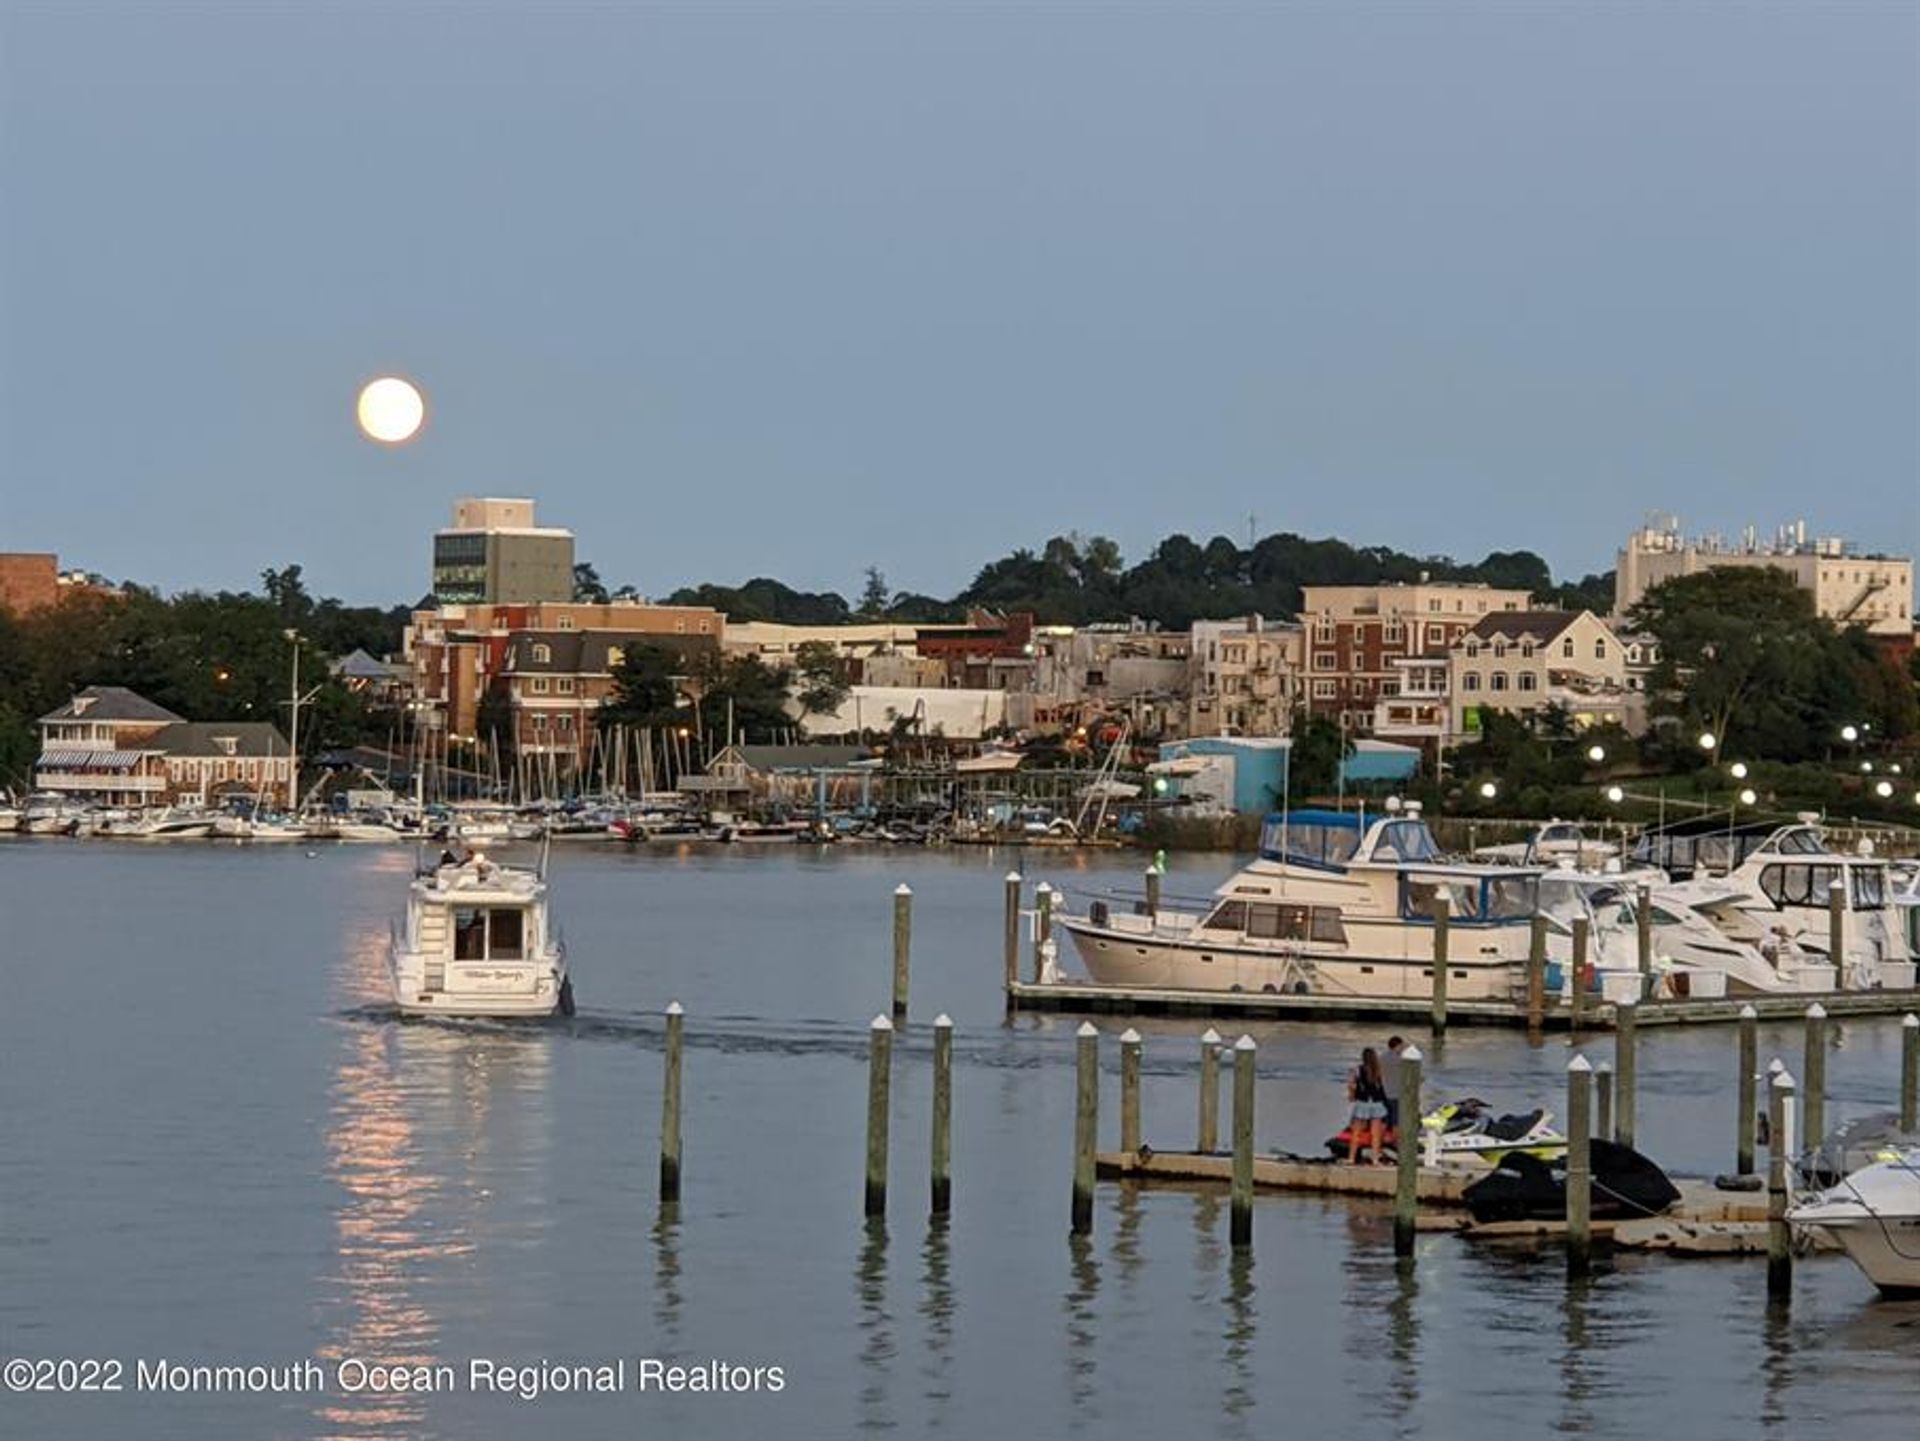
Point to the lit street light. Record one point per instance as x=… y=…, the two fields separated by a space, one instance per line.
x=1747 y=797
x=1488 y=790
x=1739 y=770
x=1708 y=740
x=1596 y=754
x=1884 y=790
x=1616 y=795
x=1849 y=734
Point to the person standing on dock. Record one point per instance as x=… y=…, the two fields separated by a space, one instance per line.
x=1390 y=1079
x=1368 y=1093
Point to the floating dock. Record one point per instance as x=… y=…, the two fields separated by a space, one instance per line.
x=1092 y=998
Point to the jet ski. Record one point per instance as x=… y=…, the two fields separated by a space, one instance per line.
x=1524 y=1187
x=1467 y=1133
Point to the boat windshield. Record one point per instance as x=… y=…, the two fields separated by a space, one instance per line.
x=1405 y=841
x=1494 y=899
x=1316 y=838
x=1869 y=887
x=1810 y=885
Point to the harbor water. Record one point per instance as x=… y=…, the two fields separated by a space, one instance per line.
x=218 y=1146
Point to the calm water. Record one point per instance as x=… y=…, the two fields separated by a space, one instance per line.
x=215 y=1147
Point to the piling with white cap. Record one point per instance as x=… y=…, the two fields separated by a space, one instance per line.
x=1813 y=1081
x=1749 y=1064
x=1210 y=1092
x=1779 y=1239
x=1130 y=1092
x=1086 y=1119
x=1241 y=1226
x=902 y=945
x=1012 y=936
x=879 y=1109
x=1626 y=1078
x=1442 y=915
x=670 y=1108
x=1579 y=1167
x=1909 y=1070
x=942 y=1114
x=1043 y=929
x=1406 y=1141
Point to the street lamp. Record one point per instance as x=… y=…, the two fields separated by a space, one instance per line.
x=1884 y=790
x=1596 y=754
x=1488 y=790
x=1747 y=797
x=1849 y=734
x=1615 y=794
x=1738 y=770
x=1708 y=741
x=1866 y=768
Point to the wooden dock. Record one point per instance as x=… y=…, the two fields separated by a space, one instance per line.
x=1091 y=998
x=1275 y=1173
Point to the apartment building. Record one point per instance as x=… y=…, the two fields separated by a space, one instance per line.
x=1521 y=662
x=555 y=681
x=1848 y=586
x=1355 y=638
x=494 y=554
x=1243 y=676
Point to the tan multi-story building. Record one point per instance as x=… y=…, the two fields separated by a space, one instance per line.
x=1848 y=587
x=1243 y=677
x=1356 y=638
x=494 y=554
x=1522 y=662
x=459 y=652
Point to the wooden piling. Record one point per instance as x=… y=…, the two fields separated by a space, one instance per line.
x=1537 y=976
x=1579 y=1167
x=1153 y=892
x=1241 y=1225
x=1909 y=1070
x=942 y=1167
x=1043 y=929
x=1603 y=1101
x=1576 y=998
x=1442 y=915
x=1012 y=937
x=902 y=945
x=1837 y=931
x=1626 y=1079
x=1779 y=1239
x=1086 y=1116
x=1643 y=939
x=1813 y=1081
x=1130 y=1092
x=1406 y=1194
x=670 y=1107
x=1749 y=1064
x=879 y=1105
x=1210 y=1092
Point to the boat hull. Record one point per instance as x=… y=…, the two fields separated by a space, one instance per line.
x=496 y=989
x=1149 y=961
x=1886 y=1248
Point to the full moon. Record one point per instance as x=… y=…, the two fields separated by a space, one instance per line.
x=391 y=410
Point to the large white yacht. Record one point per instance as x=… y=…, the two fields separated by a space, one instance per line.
x=1875 y=1216
x=1768 y=885
x=1336 y=906
x=477 y=941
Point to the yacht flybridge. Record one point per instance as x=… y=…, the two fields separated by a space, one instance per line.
x=1334 y=906
x=477 y=941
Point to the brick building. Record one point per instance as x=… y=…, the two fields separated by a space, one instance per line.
x=28 y=580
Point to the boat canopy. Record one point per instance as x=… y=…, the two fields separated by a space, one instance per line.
x=1327 y=839
x=1708 y=843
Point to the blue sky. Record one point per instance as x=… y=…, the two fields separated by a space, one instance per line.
x=794 y=289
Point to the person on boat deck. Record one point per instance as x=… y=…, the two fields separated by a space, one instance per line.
x=1368 y=1094
x=1390 y=1080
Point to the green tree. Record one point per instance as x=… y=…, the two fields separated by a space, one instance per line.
x=646 y=688
x=874 y=594
x=1319 y=746
x=587 y=586
x=819 y=678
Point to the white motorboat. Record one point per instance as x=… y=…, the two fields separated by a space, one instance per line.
x=1875 y=1216
x=1555 y=843
x=1770 y=887
x=1334 y=906
x=50 y=814
x=167 y=823
x=477 y=941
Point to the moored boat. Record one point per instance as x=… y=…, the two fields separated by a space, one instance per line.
x=1874 y=1214
x=477 y=940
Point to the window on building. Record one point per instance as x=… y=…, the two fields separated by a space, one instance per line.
x=1497 y=681
x=1499 y=650
x=1527 y=680
x=1600 y=648
x=1325 y=690
x=1566 y=647
x=680 y=627
x=566 y=622
x=540 y=722
x=538 y=685
x=1322 y=660
x=542 y=654
x=1469 y=681
x=563 y=684
x=1526 y=649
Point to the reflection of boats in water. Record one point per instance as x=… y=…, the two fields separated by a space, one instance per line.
x=1333 y=906
x=477 y=941
x=1874 y=1214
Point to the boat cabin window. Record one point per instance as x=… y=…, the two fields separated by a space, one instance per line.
x=1306 y=837
x=1800 y=841
x=1496 y=899
x=1405 y=841
x=1510 y=897
x=1797 y=885
x=1869 y=887
x=483 y=934
x=1416 y=898
x=1227 y=916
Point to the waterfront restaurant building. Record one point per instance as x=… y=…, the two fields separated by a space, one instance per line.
x=114 y=747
